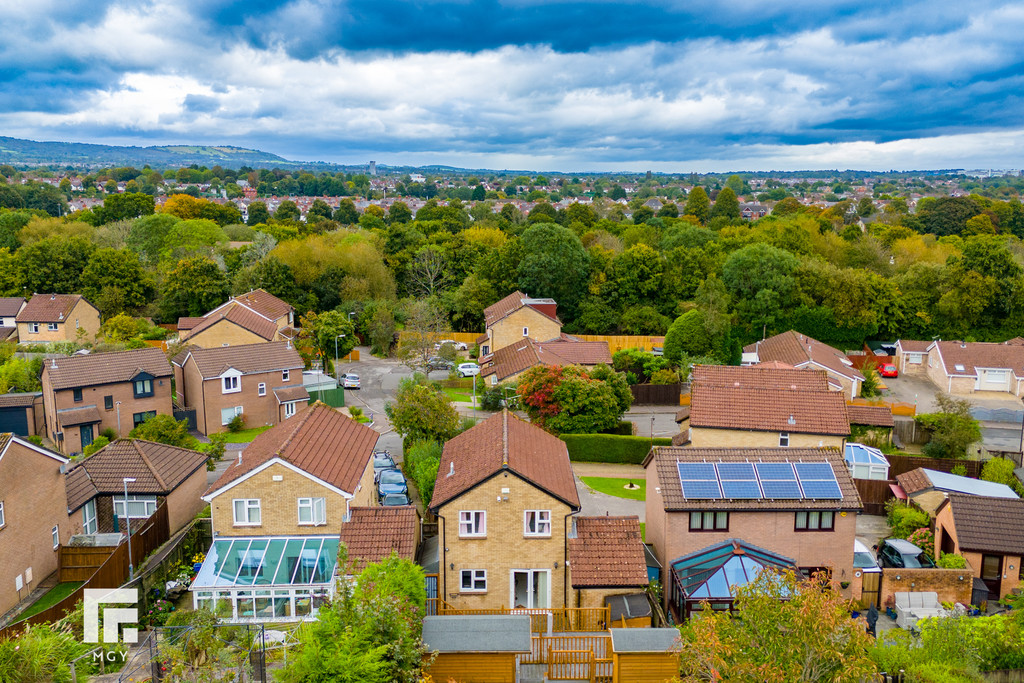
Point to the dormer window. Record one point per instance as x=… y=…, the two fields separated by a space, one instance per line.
x=231 y=384
x=142 y=386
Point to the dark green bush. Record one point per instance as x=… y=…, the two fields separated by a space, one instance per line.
x=610 y=447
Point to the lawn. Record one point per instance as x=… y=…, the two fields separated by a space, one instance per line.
x=615 y=487
x=51 y=598
x=245 y=435
x=643 y=532
x=461 y=395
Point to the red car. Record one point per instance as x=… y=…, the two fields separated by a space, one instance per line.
x=888 y=370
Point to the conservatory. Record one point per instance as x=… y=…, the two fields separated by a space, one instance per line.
x=267 y=579
x=865 y=462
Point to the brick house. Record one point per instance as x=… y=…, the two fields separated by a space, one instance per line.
x=804 y=353
x=22 y=413
x=756 y=407
x=9 y=309
x=799 y=503
x=929 y=489
x=33 y=517
x=371 y=534
x=606 y=558
x=250 y=318
x=989 y=533
x=504 y=494
x=57 y=318
x=261 y=381
x=95 y=486
x=912 y=356
x=509 y=362
x=83 y=395
x=276 y=513
x=517 y=316
x=964 y=368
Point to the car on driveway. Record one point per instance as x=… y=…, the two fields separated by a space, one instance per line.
x=382 y=461
x=895 y=552
x=391 y=481
x=350 y=381
x=468 y=369
x=394 y=499
x=438 y=363
x=888 y=370
x=459 y=346
x=863 y=559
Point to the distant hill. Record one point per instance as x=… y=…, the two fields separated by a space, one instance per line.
x=21 y=152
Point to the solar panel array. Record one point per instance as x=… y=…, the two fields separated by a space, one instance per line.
x=758 y=480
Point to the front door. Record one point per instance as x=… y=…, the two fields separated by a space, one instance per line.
x=85 y=431
x=992 y=574
x=531 y=588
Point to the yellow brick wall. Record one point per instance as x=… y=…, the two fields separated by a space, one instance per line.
x=279 y=510
x=712 y=438
x=83 y=315
x=594 y=597
x=366 y=491
x=224 y=333
x=505 y=547
x=510 y=329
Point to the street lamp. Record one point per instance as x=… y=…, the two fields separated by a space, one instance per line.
x=117 y=404
x=336 y=338
x=128 y=523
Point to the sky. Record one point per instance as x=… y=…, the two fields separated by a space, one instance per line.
x=672 y=86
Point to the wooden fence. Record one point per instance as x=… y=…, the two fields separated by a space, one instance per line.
x=616 y=342
x=874 y=493
x=543 y=619
x=77 y=563
x=656 y=394
x=899 y=464
x=1004 y=676
x=898 y=408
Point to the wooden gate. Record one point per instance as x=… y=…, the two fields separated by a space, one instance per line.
x=871 y=589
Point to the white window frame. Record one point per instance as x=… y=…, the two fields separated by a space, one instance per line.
x=55 y=536
x=148 y=506
x=246 y=506
x=526 y=331
x=33 y=328
x=236 y=410
x=286 y=375
x=475 y=575
x=3 y=517
x=289 y=409
x=89 y=525
x=232 y=384
x=472 y=523
x=783 y=439
x=51 y=327
x=261 y=389
x=540 y=519
x=317 y=511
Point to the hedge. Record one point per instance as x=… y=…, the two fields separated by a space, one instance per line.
x=610 y=447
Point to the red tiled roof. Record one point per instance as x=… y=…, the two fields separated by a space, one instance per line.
x=106 y=368
x=291 y=393
x=10 y=305
x=988 y=525
x=913 y=481
x=318 y=440
x=23 y=400
x=607 y=552
x=6 y=332
x=373 y=533
x=49 y=308
x=519 y=356
x=769 y=410
x=504 y=441
x=246 y=358
x=264 y=303
x=242 y=317
x=914 y=345
x=798 y=349
x=760 y=376
x=510 y=304
x=665 y=458
x=872 y=416
x=973 y=355
x=188 y=323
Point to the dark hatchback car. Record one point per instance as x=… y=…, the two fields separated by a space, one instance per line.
x=902 y=554
x=391 y=481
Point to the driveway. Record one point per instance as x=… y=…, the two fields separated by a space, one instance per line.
x=593 y=503
x=664 y=420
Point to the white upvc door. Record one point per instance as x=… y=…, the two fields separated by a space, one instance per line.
x=530 y=588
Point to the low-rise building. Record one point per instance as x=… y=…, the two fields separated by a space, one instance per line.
x=9 y=309
x=251 y=318
x=48 y=318
x=803 y=352
x=85 y=394
x=965 y=368
x=507 y=363
x=929 y=489
x=606 y=558
x=516 y=317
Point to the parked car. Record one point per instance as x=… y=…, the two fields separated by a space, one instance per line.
x=459 y=346
x=350 y=381
x=391 y=481
x=863 y=559
x=895 y=552
x=438 y=363
x=382 y=460
x=468 y=369
x=888 y=370
x=395 y=499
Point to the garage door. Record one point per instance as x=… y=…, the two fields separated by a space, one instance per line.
x=14 y=420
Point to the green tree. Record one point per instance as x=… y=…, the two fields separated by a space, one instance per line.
x=698 y=205
x=119 y=207
x=398 y=213
x=735 y=183
x=55 y=264
x=782 y=630
x=192 y=288
x=258 y=213
x=761 y=279
x=147 y=235
x=1001 y=471
x=422 y=460
x=636 y=276
x=346 y=213
x=865 y=207
x=331 y=333
x=320 y=208
x=115 y=281
x=165 y=429
x=120 y=328
x=11 y=280
x=287 y=211
x=554 y=264
x=952 y=428
x=570 y=400
x=668 y=210
x=421 y=412
x=687 y=336
x=726 y=205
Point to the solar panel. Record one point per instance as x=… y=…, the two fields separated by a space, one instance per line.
x=778 y=480
x=738 y=480
x=818 y=480
x=699 y=480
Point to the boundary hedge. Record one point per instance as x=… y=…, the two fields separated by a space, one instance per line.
x=610 y=447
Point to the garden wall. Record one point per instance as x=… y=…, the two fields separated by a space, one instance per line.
x=952 y=585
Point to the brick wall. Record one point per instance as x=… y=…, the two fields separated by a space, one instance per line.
x=952 y=585
x=1011 y=564
x=224 y=333
x=258 y=410
x=82 y=316
x=505 y=547
x=510 y=330
x=702 y=437
x=185 y=501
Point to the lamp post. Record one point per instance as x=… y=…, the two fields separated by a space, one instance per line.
x=128 y=524
x=336 y=338
x=117 y=404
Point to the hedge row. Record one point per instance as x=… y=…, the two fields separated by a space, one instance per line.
x=610 y=447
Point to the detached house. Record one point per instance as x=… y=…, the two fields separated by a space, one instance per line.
x=967 y=367
x=509 y=362
x=83 y=395
x=50 y=318
x=251 y=318
x=803 y=352
x=9 y=309
x=504 y=496
x=261 y=381
x=989 y=534
x=517 y=317
x=276 y=513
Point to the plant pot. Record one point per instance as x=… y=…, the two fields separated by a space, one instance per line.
x=890 y=612
x=197 y=566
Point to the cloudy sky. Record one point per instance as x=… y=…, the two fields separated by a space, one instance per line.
x=665 y=85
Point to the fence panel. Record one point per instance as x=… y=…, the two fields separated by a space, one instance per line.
x=656 y=394
x=873 y=493
x=571 y=665
x=78 y=563
x=899 y=464
x=332 y=397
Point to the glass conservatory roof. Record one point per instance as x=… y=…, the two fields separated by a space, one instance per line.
x=712 y=573
x=859 y=454
x=240 y=562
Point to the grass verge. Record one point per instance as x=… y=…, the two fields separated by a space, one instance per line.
x=614 y=486
x=245 y=435
x=51 y=598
